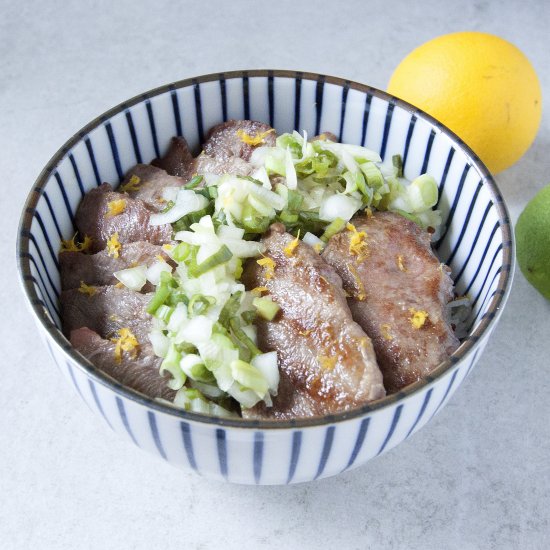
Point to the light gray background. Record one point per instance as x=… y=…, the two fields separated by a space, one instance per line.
x=477 y=477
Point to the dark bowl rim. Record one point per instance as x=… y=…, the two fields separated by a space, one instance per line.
x=468 y=345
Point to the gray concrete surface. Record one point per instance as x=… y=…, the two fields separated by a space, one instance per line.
x=476 y=477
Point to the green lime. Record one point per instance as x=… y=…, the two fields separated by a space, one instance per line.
x=533 y=241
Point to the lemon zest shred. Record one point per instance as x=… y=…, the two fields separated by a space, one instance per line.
x=357 y=243
x=304 y=332
x=385 y=330
x=70 y=245
x=362 y=294
x=160 y=258
x=131 y=185
x=400 y=263
x=318 y=247
x=292 y=245
x=418 y=317
x=167 y=247
x=113 y=246
x=125 y=341
x=87 y=289
x=269 y=266
x=253 y=140
x=119 y=285
x=327 y=363
x=116 y=207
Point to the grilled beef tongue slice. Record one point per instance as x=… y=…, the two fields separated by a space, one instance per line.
x=140 y=373
x=97 y=269
x=326 y=361
x=226 y=140
x=178 y=160
x=106 y=310
x=151 y=182
x=398 y=292
x=131 y=224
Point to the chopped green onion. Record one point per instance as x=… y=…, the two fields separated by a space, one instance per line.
x=169 y=206
x=230 y=308
x=248 y=316
x=250 y=178
x=171 y=363
x=288 y=217
x=220 y=257
x=164 y=313
x=194 y=182
x=181 y=251
x=295 y=200
x=249 y=377
x=253 y=221
x=397 y=162
x=266 y=307
x=213 y=192
x=373 y=175
x=199 y=304
x=332 y=228
x=241 y=336
x=158 y=299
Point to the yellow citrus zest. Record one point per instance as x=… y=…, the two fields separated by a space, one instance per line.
x=71 y=245
x=291 y=246
x=269 y=266
x=113 y=246
x=125 y=341
x=418 y=317
x=87 y=289
x=131 y=185
x=116 y=207
x=253 y=140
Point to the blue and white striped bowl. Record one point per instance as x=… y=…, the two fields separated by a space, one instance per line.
x=476 y=243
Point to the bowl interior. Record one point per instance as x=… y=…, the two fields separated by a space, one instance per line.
x=476 y=239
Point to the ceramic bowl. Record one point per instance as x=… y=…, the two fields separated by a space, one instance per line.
x=476 y=243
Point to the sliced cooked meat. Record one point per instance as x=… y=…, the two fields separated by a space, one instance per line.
x=398 y=290
x=178 y=159
x=106 y=310
x=97 y=269
x=326 y=361
x=226 y=140
x=131 y=223
x=140 y=373
x=151 y=184
x=220 y=166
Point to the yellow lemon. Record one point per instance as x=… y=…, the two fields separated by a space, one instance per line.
x=481 y=87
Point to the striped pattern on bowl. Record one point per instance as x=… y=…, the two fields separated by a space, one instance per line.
x=476 y=243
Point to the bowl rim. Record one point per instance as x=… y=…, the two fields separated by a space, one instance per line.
x=466 y=348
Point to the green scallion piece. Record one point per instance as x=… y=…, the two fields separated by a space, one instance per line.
x=193 y=182
x=248 y=316
x=266 y=307
x=397 y=162
x=199 y=304
x=230 y=308
x=295 y=200
x=241 y=336
x=158 y=299
x=332 y=228
x=181 y=251
x=169 y=206
x=220 y=257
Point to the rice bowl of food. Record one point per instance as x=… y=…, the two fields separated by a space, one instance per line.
x=267 y=277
